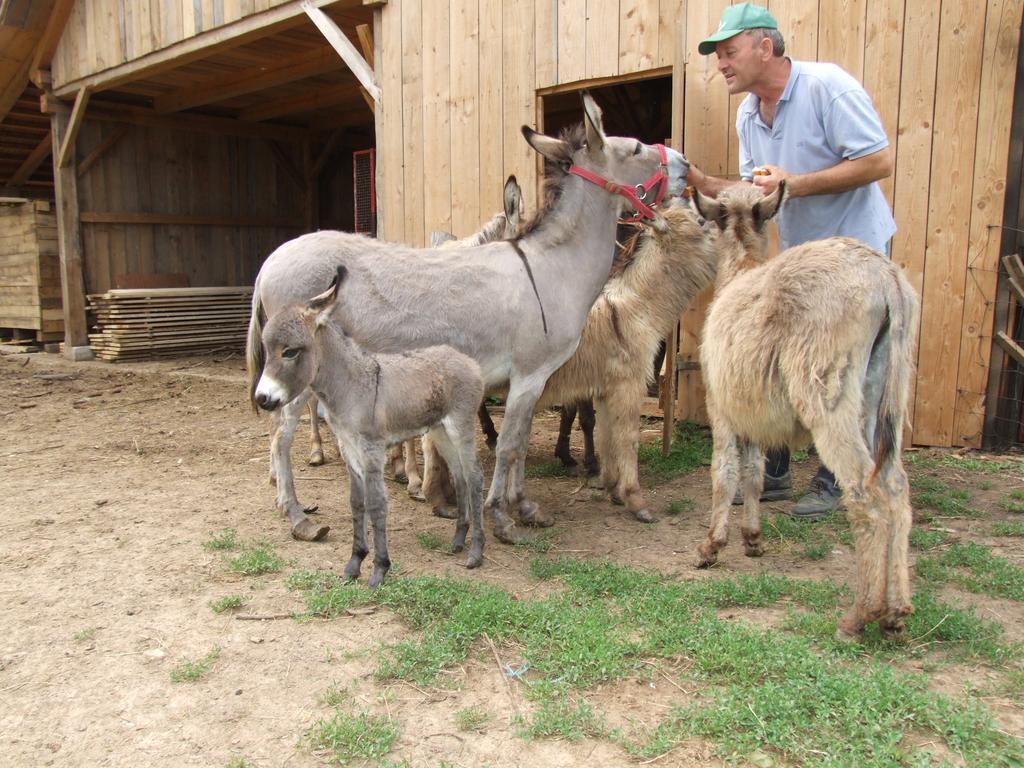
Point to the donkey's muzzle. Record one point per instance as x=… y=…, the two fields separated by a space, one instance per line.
x=267 y=402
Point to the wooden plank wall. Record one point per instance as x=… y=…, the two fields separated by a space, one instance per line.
x=30 y=294
x=937 y=73
x=104 y=33
x=180 y=173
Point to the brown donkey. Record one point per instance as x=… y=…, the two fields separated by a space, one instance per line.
x=814 y=344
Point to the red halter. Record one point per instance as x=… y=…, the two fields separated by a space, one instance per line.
x=637 y=195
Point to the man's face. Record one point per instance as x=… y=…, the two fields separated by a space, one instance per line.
x=740 y=60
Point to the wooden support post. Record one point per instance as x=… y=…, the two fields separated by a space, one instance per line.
x=345 y=49
x=67 y=145
x=366 y=42
x=69 y=238
x=668 y=391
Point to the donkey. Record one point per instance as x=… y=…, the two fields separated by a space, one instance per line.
x=815 y=344
x=656 y=276
x=371 y=401
x=517 y=307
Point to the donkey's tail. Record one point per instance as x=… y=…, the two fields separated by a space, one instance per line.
x=254 y=359
x=901 y=328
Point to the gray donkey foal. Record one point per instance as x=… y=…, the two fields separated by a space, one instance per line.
x=376 y=400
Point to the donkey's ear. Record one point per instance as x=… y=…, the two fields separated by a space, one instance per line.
x=594 y=123
x=709 y=208
x=328 y=297
x=439 y=236
x=555 y=150
x=513 y=200
x=768 y=206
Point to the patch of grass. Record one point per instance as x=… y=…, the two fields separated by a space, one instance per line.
x=433 y=542
x=257 y=560
x=1014 y=502
x=971 y=464
x=354 y=737
x=977 y=569
x=472 y=719
x=800 y=454
x=336 y=696
x=985 y=485
x=813 y=536
x=563 y=717
x=553 y=468
x=222 y=540
x=941 y=498
x=539 y=543
x=239 y=762
x=596 y=496
x=1013 y=528
x=925 y=538
x=230 y=603
x=189 y=671
x=691 y=448
x=85 y=635
x=678 y=506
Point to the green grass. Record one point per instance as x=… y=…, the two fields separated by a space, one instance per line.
x=925 y=538
x=240 y=762
x=793 y=692
x=1013 y=528
x=935 y=460
x=1014 y=502
x=553 y=468
x=85 y=635
x=230 y=603
x=678 y=506
x=691 y=448
x=815 y=539
x=257 y=560
x=359 y=737
x=472 y=719
x=222 y=540
x=935 y=495
x=975 y=568
x=433 y=542
x=336 y=696
x=189 y=671
x=539 y=542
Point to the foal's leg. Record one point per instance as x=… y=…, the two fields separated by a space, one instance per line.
x=316 y=447
x=412 y=471
x=446 y=447
x=303 y=528
x=724 y=479
x=376 y=500
x=487 y=426
x=357 y=495
x=605 y=441
x=562 y=452
x=436 y=478
x=587 y=420
x=396 y=464
x=623 y=416
x=752 y=473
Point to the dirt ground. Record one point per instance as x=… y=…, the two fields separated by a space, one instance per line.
x=113 y=479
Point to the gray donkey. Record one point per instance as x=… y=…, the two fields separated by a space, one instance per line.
x=373 y=401
x=517 y=307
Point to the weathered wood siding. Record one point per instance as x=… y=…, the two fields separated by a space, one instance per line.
x=30 y=296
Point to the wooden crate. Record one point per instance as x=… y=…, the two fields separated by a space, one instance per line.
x=30 y=293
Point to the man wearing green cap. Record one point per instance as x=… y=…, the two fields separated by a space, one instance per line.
x=812 y=124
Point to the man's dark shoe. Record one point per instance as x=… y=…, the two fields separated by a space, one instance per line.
x=821 y=500
x=775 y=489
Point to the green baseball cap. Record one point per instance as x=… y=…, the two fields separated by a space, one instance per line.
x=736 y=19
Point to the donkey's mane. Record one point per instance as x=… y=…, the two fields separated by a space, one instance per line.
x=555 y=175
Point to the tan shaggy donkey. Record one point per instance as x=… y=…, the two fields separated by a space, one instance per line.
x=815 y=344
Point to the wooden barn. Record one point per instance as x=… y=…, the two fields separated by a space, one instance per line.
x=189 y=137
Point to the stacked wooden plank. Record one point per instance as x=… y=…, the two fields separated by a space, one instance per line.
x=140 y=324
x=30 y=295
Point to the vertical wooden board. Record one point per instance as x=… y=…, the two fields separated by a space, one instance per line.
x=465 y=116
x=546 y=35
x=146 y=17
x=170 y=22
x=491 y=154
x=188 y=19
x=207 y=11
x=883 y=47
x=437 y=146
x=97 y=246
x=392 y=189
x=671 y=14
x=841 y=34
x=639 y=26
x=411 y=115
x=518 y=96
x=957 y=90
x=93 y=39
x=144 y=166
x=914 y=149
x=798 y=22
x=602 y=33
x=995 y=110
x=571 y=23
x=232 y=11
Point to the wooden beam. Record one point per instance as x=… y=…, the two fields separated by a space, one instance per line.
x=67 y=149
x=287 y=165
x=200 y=123
x=10 y=95
x=306 y=102
x=326 y=152
x=69 y=238
x=1014 y=266
x=668 y=391
x=344 y=47
x=1017 y=289
x=221 y=89
x=127 y=217
x=1011 y=347
x=33 y=161
x=102 y=149
x=366 y=42
x=200 y=46
x=47 y=44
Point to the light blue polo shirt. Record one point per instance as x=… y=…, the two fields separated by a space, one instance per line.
x=823 y=117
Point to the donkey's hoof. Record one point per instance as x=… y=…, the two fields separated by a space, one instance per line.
x=307 y=530
x=531 y=514
x=753 y=550
x=416 y=492
x=475 y=560
x=492 y=442
x=377 y=578
x=705 y=559
x=401 y=477
x=312 y=510
x=645 y=516
x=895 y=631
x=616 y=499
x=316 y=458
x=446 y=512
x=849 y=631
x=507 y=534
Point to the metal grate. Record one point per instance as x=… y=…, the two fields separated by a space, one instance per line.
x=364 y=164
